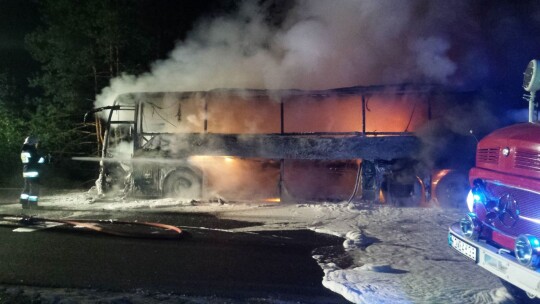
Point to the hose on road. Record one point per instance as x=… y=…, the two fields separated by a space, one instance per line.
x=131 y=229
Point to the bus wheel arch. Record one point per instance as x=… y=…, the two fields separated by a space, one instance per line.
x=450 y=188
x=182 y=183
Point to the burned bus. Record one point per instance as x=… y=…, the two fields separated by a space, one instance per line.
x=273 y=145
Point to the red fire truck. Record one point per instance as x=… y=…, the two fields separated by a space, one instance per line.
x=501 y=232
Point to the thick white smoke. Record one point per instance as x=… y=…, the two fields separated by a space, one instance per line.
x=320 y=44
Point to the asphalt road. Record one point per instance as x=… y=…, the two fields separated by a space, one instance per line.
x=276 y=264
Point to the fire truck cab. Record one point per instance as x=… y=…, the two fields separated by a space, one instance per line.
x=501 y=232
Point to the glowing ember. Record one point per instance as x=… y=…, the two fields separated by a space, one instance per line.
x=273 y=200
x=382 y=197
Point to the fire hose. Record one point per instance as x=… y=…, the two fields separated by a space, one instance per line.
x=356 y=182
x=110 y=227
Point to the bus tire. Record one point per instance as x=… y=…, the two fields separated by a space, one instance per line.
x=183 y=184
x=452 y=190
x=404 y=195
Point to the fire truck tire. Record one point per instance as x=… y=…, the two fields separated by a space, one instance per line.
x=451 y=190
x=183 y=184
x=519 y=295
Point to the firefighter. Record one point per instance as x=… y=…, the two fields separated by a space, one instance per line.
x=32 y=162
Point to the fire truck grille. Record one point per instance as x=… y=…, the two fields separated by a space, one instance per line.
x=489 y=155
x=527 y=159
x=528 y=219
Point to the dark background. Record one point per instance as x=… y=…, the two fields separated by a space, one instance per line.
x=54 y=59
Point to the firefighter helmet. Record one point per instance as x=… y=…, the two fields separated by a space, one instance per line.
x=31 y=140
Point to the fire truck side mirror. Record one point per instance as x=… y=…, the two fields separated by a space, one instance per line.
x=531 y=79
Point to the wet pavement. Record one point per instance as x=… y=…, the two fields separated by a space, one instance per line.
x=209 y=261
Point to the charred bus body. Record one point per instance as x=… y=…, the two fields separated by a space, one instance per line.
x=274 y=145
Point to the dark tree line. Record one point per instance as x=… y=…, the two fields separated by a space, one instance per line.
x=77 y=47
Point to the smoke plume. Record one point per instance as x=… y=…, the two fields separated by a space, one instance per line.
x=318 y=45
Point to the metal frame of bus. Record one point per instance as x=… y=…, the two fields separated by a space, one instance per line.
x=377 y=150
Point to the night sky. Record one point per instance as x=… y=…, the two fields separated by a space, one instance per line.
x=168 y=18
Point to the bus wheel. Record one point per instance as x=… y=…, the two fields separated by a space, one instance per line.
x=183 y=184
x=404 y=195
x=451 y=190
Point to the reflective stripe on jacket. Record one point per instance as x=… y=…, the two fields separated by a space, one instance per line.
x=30 y=174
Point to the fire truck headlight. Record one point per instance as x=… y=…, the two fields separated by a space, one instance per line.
x=470 y=201
x=470 y=226
x=476 y=195
x=527 y=250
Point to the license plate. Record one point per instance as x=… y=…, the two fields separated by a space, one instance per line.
x=464 y=248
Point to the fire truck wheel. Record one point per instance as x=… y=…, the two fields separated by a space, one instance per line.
x=518 y=294
x=182 y=184
x=451 y=190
